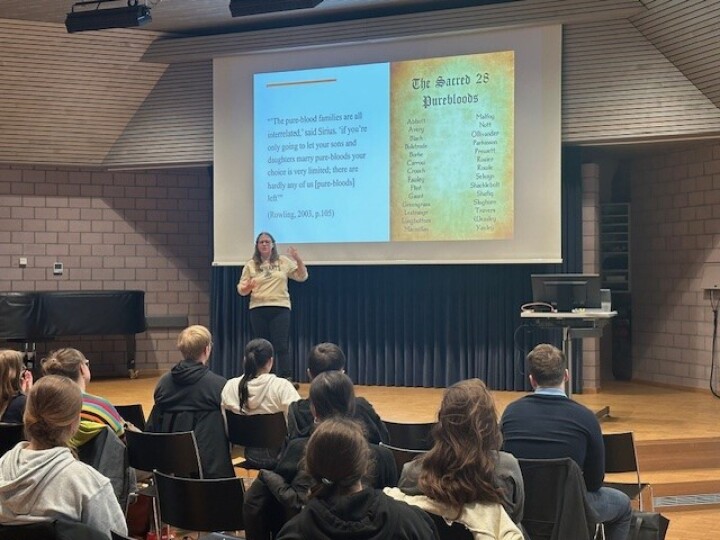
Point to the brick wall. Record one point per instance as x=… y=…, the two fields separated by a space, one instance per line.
x=111 y=230
x=675 y=232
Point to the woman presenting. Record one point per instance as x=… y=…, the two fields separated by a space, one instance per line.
x=265 y=279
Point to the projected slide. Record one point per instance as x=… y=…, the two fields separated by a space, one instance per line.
x=419 y=150
x=426 y=149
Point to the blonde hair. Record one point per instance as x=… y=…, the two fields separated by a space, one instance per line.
x=11 y=368
x=66 y=362
x=193 y=341
x=52 y=411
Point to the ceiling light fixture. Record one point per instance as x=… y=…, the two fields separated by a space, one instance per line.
x=81 y=18
x=241 y=8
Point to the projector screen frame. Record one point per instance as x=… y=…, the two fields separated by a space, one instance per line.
x=231 y=250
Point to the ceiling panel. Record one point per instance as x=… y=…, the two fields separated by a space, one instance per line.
x=688 y=34
x=202 y=17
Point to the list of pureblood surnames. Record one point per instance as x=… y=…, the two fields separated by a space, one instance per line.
x=452 y=133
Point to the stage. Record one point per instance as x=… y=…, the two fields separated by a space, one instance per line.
x=677 y=433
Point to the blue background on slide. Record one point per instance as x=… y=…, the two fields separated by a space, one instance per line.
x=360 y=213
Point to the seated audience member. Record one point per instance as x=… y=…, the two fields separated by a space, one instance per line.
x=96 y=412
x=258 y=391
x=188 y=399
x=277 y=495
x=41 y=480
x=15 y=381
x=548 y=425
x=337 y=459
x=464 y=477
x=326 y=357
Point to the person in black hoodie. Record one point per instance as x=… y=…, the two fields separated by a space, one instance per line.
x=337 y=458
x=277 y=495
x=188 y=398
x=329 y=357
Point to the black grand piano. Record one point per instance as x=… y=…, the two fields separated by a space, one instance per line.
x=31 y=317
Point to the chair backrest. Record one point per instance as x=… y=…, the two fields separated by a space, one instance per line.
x=10 y=435
x=133 y=413
x=621 y=457
x=620 y=454
x=256 y=430
x=410 y=436
x=453 y=531
x=555 y=505
x=171 y=453
x=214 y=504
x=402 y=455
x=117 y=536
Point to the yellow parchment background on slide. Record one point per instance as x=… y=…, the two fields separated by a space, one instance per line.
x=444 y=207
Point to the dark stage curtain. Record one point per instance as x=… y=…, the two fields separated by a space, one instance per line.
x=422 y=325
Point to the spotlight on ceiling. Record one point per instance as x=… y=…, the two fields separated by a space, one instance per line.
x=89 y=15
x=241 y=8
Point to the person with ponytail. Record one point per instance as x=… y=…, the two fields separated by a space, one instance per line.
x=337 y=458
x=258 y=391
x=280 y=493
x=15 y=381
x=464 y=477
x=41 y=480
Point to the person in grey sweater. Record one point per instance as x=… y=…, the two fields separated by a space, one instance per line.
x=41 y=480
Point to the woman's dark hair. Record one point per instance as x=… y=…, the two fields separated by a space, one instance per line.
x=52 y=412
x=337 y=456
x=257 y=354
x=325 y=357
x=332 y=394
x=273 y=254
x=11 y=370
x=459 y=469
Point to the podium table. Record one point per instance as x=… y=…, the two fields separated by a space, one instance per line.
x=574 y=324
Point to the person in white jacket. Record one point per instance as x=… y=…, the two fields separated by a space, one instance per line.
x=41 y=480
x=258 y=391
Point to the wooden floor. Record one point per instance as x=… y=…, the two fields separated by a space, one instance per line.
x=653 y=413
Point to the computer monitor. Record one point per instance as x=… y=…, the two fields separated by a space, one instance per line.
x=566 y=292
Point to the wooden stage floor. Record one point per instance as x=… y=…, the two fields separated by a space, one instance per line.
x=653 y=413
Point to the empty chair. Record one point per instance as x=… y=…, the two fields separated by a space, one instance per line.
x=133 y=413
x=207 y=505
x=621 y=457
x=451 y=531
x=257 y=431
x=10 y=435
x=555 y=505
x=407 y=441
x=410 y=436
x=170 y=453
